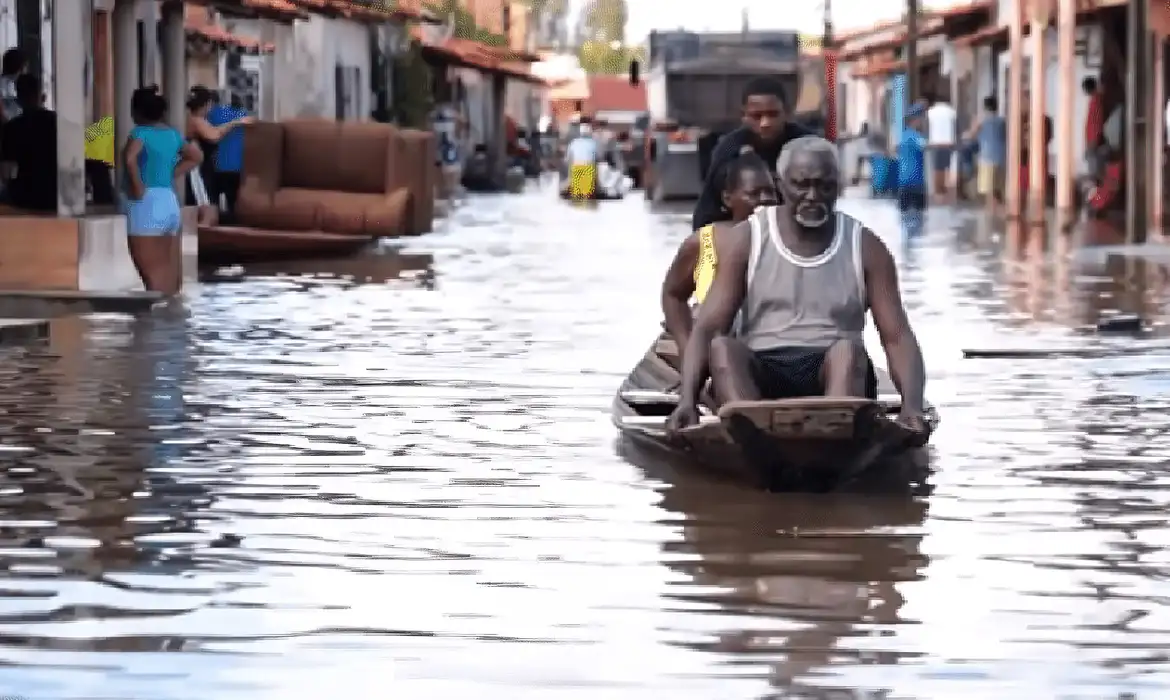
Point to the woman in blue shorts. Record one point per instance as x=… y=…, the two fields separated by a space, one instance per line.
x=155 y=156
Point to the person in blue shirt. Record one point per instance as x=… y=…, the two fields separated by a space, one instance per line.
x=229 y=156
x=154 y=156
x=990 y=133
x=912 y=193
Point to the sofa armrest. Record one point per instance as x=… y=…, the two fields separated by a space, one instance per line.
x=389 y=215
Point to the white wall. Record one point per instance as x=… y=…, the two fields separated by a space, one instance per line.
x=1052 y=80
x=7 y=24
x=307 y=56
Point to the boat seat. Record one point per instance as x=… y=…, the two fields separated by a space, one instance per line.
x=639 y=397
x=659 y=422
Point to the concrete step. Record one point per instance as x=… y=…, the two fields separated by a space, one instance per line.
x=18 y=331
x=50 y=303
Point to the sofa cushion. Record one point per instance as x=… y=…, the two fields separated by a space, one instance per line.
x=366 y=151
x=310 y=155
x=291 y=210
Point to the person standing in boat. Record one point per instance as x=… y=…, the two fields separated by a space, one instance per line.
x=748 y=185
x=801 y=276
x=765 y=130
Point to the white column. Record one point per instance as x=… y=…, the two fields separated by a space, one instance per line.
x=174 y=62
x=125 y=44
x=148 y=13
x=267 y=110
x=68 y=89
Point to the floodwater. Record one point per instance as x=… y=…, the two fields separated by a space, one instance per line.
x=361 y=483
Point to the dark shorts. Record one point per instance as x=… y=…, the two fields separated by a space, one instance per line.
x=911 y=199
x=941 y=158
x=788 y=373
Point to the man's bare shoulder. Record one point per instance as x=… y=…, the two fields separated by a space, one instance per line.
x=874 y=250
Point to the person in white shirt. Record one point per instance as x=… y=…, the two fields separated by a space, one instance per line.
x=581 y=157
x=942 y=123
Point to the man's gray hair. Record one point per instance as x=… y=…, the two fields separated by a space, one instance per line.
x=806 y=144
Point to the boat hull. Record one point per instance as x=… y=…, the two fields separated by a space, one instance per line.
x=228 y=244
x=809 y=444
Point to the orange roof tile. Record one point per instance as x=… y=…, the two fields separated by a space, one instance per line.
x=477 y=55
x=197 y=22
x=361 y=10
x=614 y=93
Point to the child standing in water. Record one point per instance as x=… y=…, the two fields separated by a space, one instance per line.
x=155 y=156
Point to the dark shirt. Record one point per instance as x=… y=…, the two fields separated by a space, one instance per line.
x=30 y=141
x=709 y=208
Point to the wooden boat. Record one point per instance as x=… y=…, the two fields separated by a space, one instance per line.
x=813 y=443
x=232 y=244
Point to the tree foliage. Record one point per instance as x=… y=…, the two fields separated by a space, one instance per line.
x=465 y=24
x=605 y=20
x=601 y=58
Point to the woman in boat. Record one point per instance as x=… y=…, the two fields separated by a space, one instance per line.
x=154 y=157
x=748 y=184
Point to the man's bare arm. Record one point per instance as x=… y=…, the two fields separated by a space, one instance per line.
x=889 y=316
x=718 y=310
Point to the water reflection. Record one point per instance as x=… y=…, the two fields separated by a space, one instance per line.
x=315 y=477
x=791 y=586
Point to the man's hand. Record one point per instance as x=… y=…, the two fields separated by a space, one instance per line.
x=137 y=189
x=684 y=415
x=916 y=423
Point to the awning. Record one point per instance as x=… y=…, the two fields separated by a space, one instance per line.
x=279 y=10
x=987 y=35
x=468 y=53
x=363 y=10
x=200 y=29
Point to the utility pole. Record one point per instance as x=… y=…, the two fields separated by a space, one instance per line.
x=911 y=51
x=829 y=56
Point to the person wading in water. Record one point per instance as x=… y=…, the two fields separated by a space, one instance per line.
x=749 y=185
x=154 y=156
x=801 y=277
x=765 y=130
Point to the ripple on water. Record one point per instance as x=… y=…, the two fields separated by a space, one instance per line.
x=306 y=483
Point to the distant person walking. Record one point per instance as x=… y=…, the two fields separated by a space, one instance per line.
x=942 y=128
x=990 y=132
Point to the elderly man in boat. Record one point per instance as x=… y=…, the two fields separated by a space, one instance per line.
x=786 y=310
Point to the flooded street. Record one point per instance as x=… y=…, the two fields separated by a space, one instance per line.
x=309 y=486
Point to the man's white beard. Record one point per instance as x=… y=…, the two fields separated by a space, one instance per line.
x=811 y=215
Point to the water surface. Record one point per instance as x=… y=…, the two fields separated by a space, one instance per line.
x=401 y=479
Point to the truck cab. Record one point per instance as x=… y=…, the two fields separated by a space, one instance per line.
x=694 y=87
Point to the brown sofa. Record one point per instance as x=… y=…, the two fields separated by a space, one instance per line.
x=351 y=178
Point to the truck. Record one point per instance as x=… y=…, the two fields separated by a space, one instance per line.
x=694 y=87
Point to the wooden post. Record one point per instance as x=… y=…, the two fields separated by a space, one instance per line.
x=912 y=93
x=1157 y=111
x=1065 y=145
x=1137 y=100
x=1038 y=145
x=1015 y=112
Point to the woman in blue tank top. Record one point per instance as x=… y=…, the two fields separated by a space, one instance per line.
x=154 y=157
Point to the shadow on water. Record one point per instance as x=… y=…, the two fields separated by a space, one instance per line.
x=322 y=474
